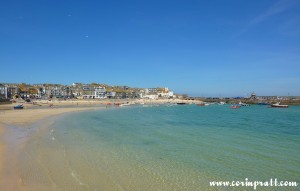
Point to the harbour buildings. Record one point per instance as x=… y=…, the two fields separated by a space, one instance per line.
x=80 y=91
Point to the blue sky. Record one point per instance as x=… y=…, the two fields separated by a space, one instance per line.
x=203 y=48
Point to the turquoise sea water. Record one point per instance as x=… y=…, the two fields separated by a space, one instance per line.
x=164 y=148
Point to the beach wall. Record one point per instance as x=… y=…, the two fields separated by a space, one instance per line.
x=5 y=101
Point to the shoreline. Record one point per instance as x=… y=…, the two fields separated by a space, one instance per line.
x=24 y=119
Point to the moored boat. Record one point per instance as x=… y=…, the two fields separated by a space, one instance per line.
x=263 y=103
x=222 y=103
x=200 y=104
x=20 y=106
x=125 y=104
x=278 y=105
x=243 y=104
x=181 y=103
x=235 y=106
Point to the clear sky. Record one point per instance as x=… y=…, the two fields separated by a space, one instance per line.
x=203 y=48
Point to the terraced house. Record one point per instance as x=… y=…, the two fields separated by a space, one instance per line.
x=3 y=91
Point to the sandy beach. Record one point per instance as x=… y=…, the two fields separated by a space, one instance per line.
x=24 y=118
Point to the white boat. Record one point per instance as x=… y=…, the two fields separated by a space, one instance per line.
x=125 y=104
x=278 y=105
x=243 y=104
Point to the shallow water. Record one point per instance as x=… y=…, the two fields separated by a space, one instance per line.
x=163 y=148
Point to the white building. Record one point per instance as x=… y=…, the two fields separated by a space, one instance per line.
x=151 y=96
x=166 y=94
x=100 y=93
x=111 y=94
x=56 y=91
x=3 y=91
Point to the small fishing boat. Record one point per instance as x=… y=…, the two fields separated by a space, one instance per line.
x=20 y=106
x=263 y=103
x=181 y=103
x=200 y=104
x=278 y=105
x=235 y=106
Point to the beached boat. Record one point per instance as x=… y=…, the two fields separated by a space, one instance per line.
x=20 y=106
x=278 y=105
x=235 y=106
x=125 y=104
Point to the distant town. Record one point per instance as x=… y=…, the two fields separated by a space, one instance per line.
x=80 y=91
x=9 y=91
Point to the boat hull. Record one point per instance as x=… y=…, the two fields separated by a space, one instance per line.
x=280 y=106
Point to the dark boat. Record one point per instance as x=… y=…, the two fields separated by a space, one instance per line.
x=262 y=103
x=181 y=103
x=18 y=106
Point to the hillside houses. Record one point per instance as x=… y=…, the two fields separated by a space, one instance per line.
x=80 y=91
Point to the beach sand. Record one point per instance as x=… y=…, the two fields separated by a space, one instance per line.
x=1 y=151
x=22 y=118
